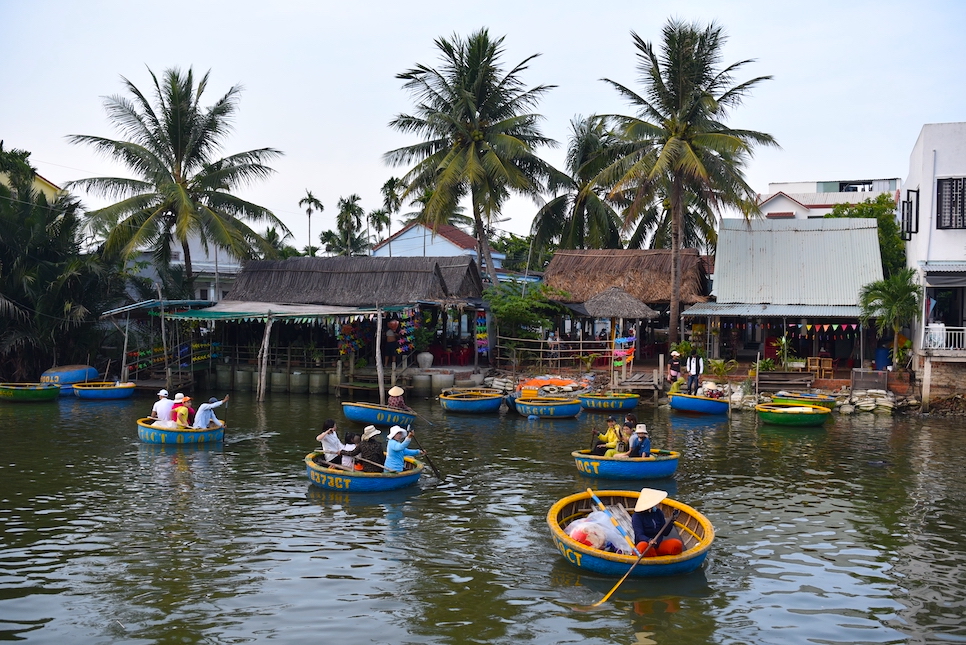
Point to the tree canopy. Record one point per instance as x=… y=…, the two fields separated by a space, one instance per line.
x=882 y=209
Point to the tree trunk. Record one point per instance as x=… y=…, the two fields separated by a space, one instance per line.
x=189 y=276
x=484 y=245
x=677 y=205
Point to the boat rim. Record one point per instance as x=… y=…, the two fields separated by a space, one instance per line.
x=417 y=469
x=142 y=422
x=666 y=455
x=786 y=408
x=101 y=385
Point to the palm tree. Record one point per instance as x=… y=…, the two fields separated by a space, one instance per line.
x=478 y=135
x=392 y=202
x=893 y=302
x=311 y=205
x=379 y=219
x=346 y=239
x=278 y=242
x=182 y=189
x=581 y=217
x=678 y=146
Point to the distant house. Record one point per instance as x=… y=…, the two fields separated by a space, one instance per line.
x=215 y=269
x=933 y=221
x=419 y=240
x=49 y=189
x=800 y=277
x=814 y=199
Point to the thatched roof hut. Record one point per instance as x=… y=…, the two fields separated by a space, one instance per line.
x=360 y=281
x=617 y=303
x=644 y=274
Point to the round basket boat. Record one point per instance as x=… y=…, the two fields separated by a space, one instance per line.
x=793 y=414
x=103 y=390
x=348 y=481
x=471 y=401
x=149 y=433
x=28 y=392
x=695 y=530
x=548 y=407
x=610 y=402
x=661 y=463
x=698 y=404
x=66 y=375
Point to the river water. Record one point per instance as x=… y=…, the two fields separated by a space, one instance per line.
x=847 y=534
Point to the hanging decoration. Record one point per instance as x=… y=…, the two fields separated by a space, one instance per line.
x=482 y=340
x=406 y=331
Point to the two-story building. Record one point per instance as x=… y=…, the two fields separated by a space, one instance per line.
x=813 y=199
x=933 y=221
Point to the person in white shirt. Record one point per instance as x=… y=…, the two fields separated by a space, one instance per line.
x=694 y=367
x=205 y=417
x=162 y=409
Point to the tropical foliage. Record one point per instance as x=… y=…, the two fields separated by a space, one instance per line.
x=522 y=253
x=479 y=135
x=51 y=292
x=893 y=302
x=677 y=149
x=312 y=205
x=348 y=238
x=522 y=309
x=181 y=189
x=882 y=209
x=582 y=215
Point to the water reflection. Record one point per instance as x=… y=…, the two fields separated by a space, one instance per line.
x=847 y=533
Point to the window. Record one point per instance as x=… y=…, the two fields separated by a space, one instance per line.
x=949 y=203
x=203 y=293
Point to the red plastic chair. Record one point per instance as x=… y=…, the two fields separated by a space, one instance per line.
x=463 y=357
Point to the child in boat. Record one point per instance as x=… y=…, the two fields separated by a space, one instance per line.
x=349 y=450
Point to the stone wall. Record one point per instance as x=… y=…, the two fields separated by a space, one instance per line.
x=947 y=378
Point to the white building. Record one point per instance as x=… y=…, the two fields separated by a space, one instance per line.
x=933 y=221
x=418 y=240
x=812 y=199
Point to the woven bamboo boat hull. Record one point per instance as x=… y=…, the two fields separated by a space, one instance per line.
x=28 y=392
x=103 y=390
x=615 y=402
x=377 y=415
x=348 y=481
x=660 y=464
x=793 y=414
x=698 y=404
x=548 y=407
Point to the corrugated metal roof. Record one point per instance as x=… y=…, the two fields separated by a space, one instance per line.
x=775 y=311
x=944 y=266
x=796 y=262
x=813 y=200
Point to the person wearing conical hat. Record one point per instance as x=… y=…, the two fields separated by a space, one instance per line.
x=396 y=398
x=648 y=519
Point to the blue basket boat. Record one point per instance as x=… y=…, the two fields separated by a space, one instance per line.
x=695 y=531
x=610 y=402
x=698 y=404
x=103 y=390
x=547 y=407
x=66 y=375
x=149 y=433
x=356 y=481
x=661 y=463
x=471 y=401
x=377 y=415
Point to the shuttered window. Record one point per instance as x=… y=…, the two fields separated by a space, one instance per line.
x=950 y=211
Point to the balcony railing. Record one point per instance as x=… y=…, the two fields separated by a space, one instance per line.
x=940 y=337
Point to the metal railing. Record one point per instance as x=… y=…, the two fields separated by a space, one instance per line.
x=937 y=336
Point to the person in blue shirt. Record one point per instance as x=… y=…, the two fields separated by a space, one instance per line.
x=397 y=449
x=640 y=443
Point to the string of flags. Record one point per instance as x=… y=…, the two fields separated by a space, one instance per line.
x=823 y=331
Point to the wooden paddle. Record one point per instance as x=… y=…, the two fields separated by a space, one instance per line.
x=429 y=461
x=664 y=531
x=613 y=520
x=374 y=463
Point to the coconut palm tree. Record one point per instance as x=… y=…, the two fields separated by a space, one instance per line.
x=311 y=205
x=378 y=218
x=479 y=136
x=278 y=242
x=181 y=188
x=893 y=302
x=677 y=145
x=347 y=238
x=582 y=216
x=392 y=202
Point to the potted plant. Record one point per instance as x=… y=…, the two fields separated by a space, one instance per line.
x=786 y=356
x=422 y=337
x=720 y=368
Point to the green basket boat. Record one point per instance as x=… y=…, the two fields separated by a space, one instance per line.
x=793 y=414
x=29 y=392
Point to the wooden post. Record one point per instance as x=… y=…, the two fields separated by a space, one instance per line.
x=263 y=357
x=379 y=369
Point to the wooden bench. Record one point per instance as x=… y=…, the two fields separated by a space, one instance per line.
x=769 y=381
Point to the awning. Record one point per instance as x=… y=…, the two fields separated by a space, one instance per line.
x=260 y=311
x=157 y=304
x=944 y=273
x=772 y=311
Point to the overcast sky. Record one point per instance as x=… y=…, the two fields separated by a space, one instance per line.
x=853 y=81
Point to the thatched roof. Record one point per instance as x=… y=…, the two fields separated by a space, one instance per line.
x=359 y=281
x=617 y=303
x=644 y=274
